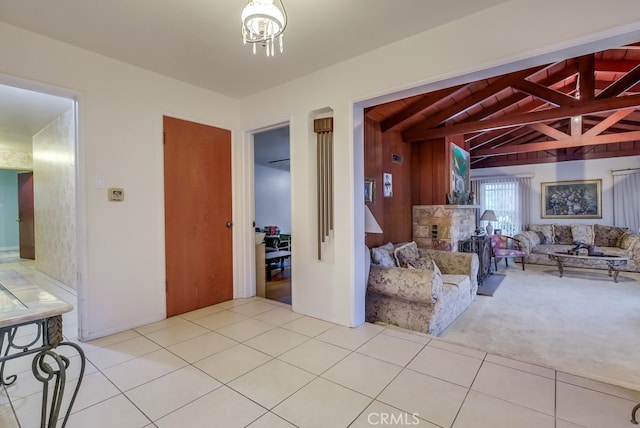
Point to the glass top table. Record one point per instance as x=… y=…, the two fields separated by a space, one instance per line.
x=25 y=306
x=613 y=262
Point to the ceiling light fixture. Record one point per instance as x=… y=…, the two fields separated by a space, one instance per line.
x=262 y=22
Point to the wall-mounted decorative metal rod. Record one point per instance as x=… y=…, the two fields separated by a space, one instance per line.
x=324 y=130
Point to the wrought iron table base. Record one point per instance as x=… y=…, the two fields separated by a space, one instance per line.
x=48 y=366
x=612 y=265
x=633 y=414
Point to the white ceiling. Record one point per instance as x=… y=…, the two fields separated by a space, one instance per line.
x=24 y=113
x=199 y=41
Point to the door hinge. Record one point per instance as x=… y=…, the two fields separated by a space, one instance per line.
x=164 y=138
x=166 y=286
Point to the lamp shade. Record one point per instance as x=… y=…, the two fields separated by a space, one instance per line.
x=488 y=215
x=370 y=223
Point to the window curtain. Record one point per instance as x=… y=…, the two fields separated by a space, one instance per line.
x=509 y=197
x=626 y=199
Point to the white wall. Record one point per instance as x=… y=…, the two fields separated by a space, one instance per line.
x=567 y=171
x=491 y=42
x=273 y=198
x=121 y=245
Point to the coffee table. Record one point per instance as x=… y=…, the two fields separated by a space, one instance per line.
x=613 y=262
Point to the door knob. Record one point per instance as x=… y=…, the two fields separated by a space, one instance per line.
x=229 y=224
x=19 y=220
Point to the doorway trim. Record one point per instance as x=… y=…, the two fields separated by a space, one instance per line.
x=249 y=200
x=617 y=36
x=80 y=187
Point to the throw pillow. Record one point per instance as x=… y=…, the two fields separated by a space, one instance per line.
x=546 y=230
x=406 y=253
x=627 y=240
x=382 y=255
x=582 y=233
x=607 y=236
x=562 y=235
x=535 y=237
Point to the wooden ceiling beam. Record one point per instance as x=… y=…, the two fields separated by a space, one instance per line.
x=550 y=80
x=502 y=136
x=608 y=122
x=545 y=94
x=554 y=145
x=497 y=107
x=549 y=131
x=587 y=75
x=416 y=108
x=477 y=97
x=627 y=81
x=419 y=133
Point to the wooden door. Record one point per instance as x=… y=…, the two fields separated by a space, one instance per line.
x=26 y=228
x=198 y=234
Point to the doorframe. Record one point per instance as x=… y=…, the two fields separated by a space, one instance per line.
x=240 y=214
x=249 y=202
x=80 y=188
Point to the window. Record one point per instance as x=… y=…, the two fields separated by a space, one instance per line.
x=509 y=198
x=626 y=199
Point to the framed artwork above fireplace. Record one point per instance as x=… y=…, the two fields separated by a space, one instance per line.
x=460 y=166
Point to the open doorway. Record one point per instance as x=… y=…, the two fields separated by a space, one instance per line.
x=272 y=188
x=38 y=142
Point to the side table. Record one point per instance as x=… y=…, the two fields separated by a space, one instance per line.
x=481 y=245
x=30 y=307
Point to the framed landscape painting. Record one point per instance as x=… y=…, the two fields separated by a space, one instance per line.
x=572 y=199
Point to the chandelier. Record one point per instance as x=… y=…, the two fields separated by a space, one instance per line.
x=262 y=22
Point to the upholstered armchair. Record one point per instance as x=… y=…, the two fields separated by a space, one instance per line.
x=427 y=295
x=506 y=247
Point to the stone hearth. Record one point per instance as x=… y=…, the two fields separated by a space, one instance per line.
x=442 y=226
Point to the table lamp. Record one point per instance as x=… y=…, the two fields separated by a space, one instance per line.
x=489 y=215
x=370 y=226
x=370 y=223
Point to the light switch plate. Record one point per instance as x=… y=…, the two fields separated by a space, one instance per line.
x=116 y=194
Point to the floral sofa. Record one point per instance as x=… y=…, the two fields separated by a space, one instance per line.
x=541 y=239
x=419 y=289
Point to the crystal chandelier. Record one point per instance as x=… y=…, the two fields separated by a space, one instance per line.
x=262 y=22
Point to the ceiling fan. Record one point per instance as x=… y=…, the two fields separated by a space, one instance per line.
x=280 y=163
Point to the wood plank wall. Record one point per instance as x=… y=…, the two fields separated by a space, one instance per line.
x=423 y=178
x=392 y=213
x=430 y=172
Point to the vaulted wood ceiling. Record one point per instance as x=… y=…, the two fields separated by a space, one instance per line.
x=580 y=108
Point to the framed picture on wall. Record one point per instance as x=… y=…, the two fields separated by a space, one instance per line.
x=572 y=199
x=460 y=166
x=369 y=189
x=387 y=181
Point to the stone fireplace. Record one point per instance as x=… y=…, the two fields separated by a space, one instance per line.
x=441 y=226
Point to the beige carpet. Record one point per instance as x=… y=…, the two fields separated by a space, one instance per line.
x=583 y=323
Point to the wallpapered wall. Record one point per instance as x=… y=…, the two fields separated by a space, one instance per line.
x=55 y=199
x=12 y=159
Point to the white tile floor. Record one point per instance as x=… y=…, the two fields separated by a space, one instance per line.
x=253 y=362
